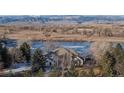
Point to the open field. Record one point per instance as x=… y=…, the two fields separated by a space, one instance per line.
x=70 y=32
x=36 y=36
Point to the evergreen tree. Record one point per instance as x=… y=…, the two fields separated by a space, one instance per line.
x=119 y=56
x=5 y=57
x=38 y=61
x=119 y=53
x=108 y=62
x=26 y=51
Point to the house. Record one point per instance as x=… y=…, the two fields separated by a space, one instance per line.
x=66 y=58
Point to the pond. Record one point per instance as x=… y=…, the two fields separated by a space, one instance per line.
x=80 y=47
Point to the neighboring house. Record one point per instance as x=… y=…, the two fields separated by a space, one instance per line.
x=66 y=58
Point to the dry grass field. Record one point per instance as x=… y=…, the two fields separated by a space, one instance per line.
x=70 y=32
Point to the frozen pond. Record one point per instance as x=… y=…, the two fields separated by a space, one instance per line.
x=80 y=47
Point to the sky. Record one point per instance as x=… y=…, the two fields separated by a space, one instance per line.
x=61 y=7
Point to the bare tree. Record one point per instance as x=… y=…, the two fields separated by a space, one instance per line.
x=98 y=49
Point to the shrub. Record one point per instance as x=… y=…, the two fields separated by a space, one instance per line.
x=16 y=55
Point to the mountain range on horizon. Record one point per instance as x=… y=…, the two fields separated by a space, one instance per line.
x=7 y=19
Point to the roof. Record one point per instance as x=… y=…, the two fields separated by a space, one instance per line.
x=64 y=51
